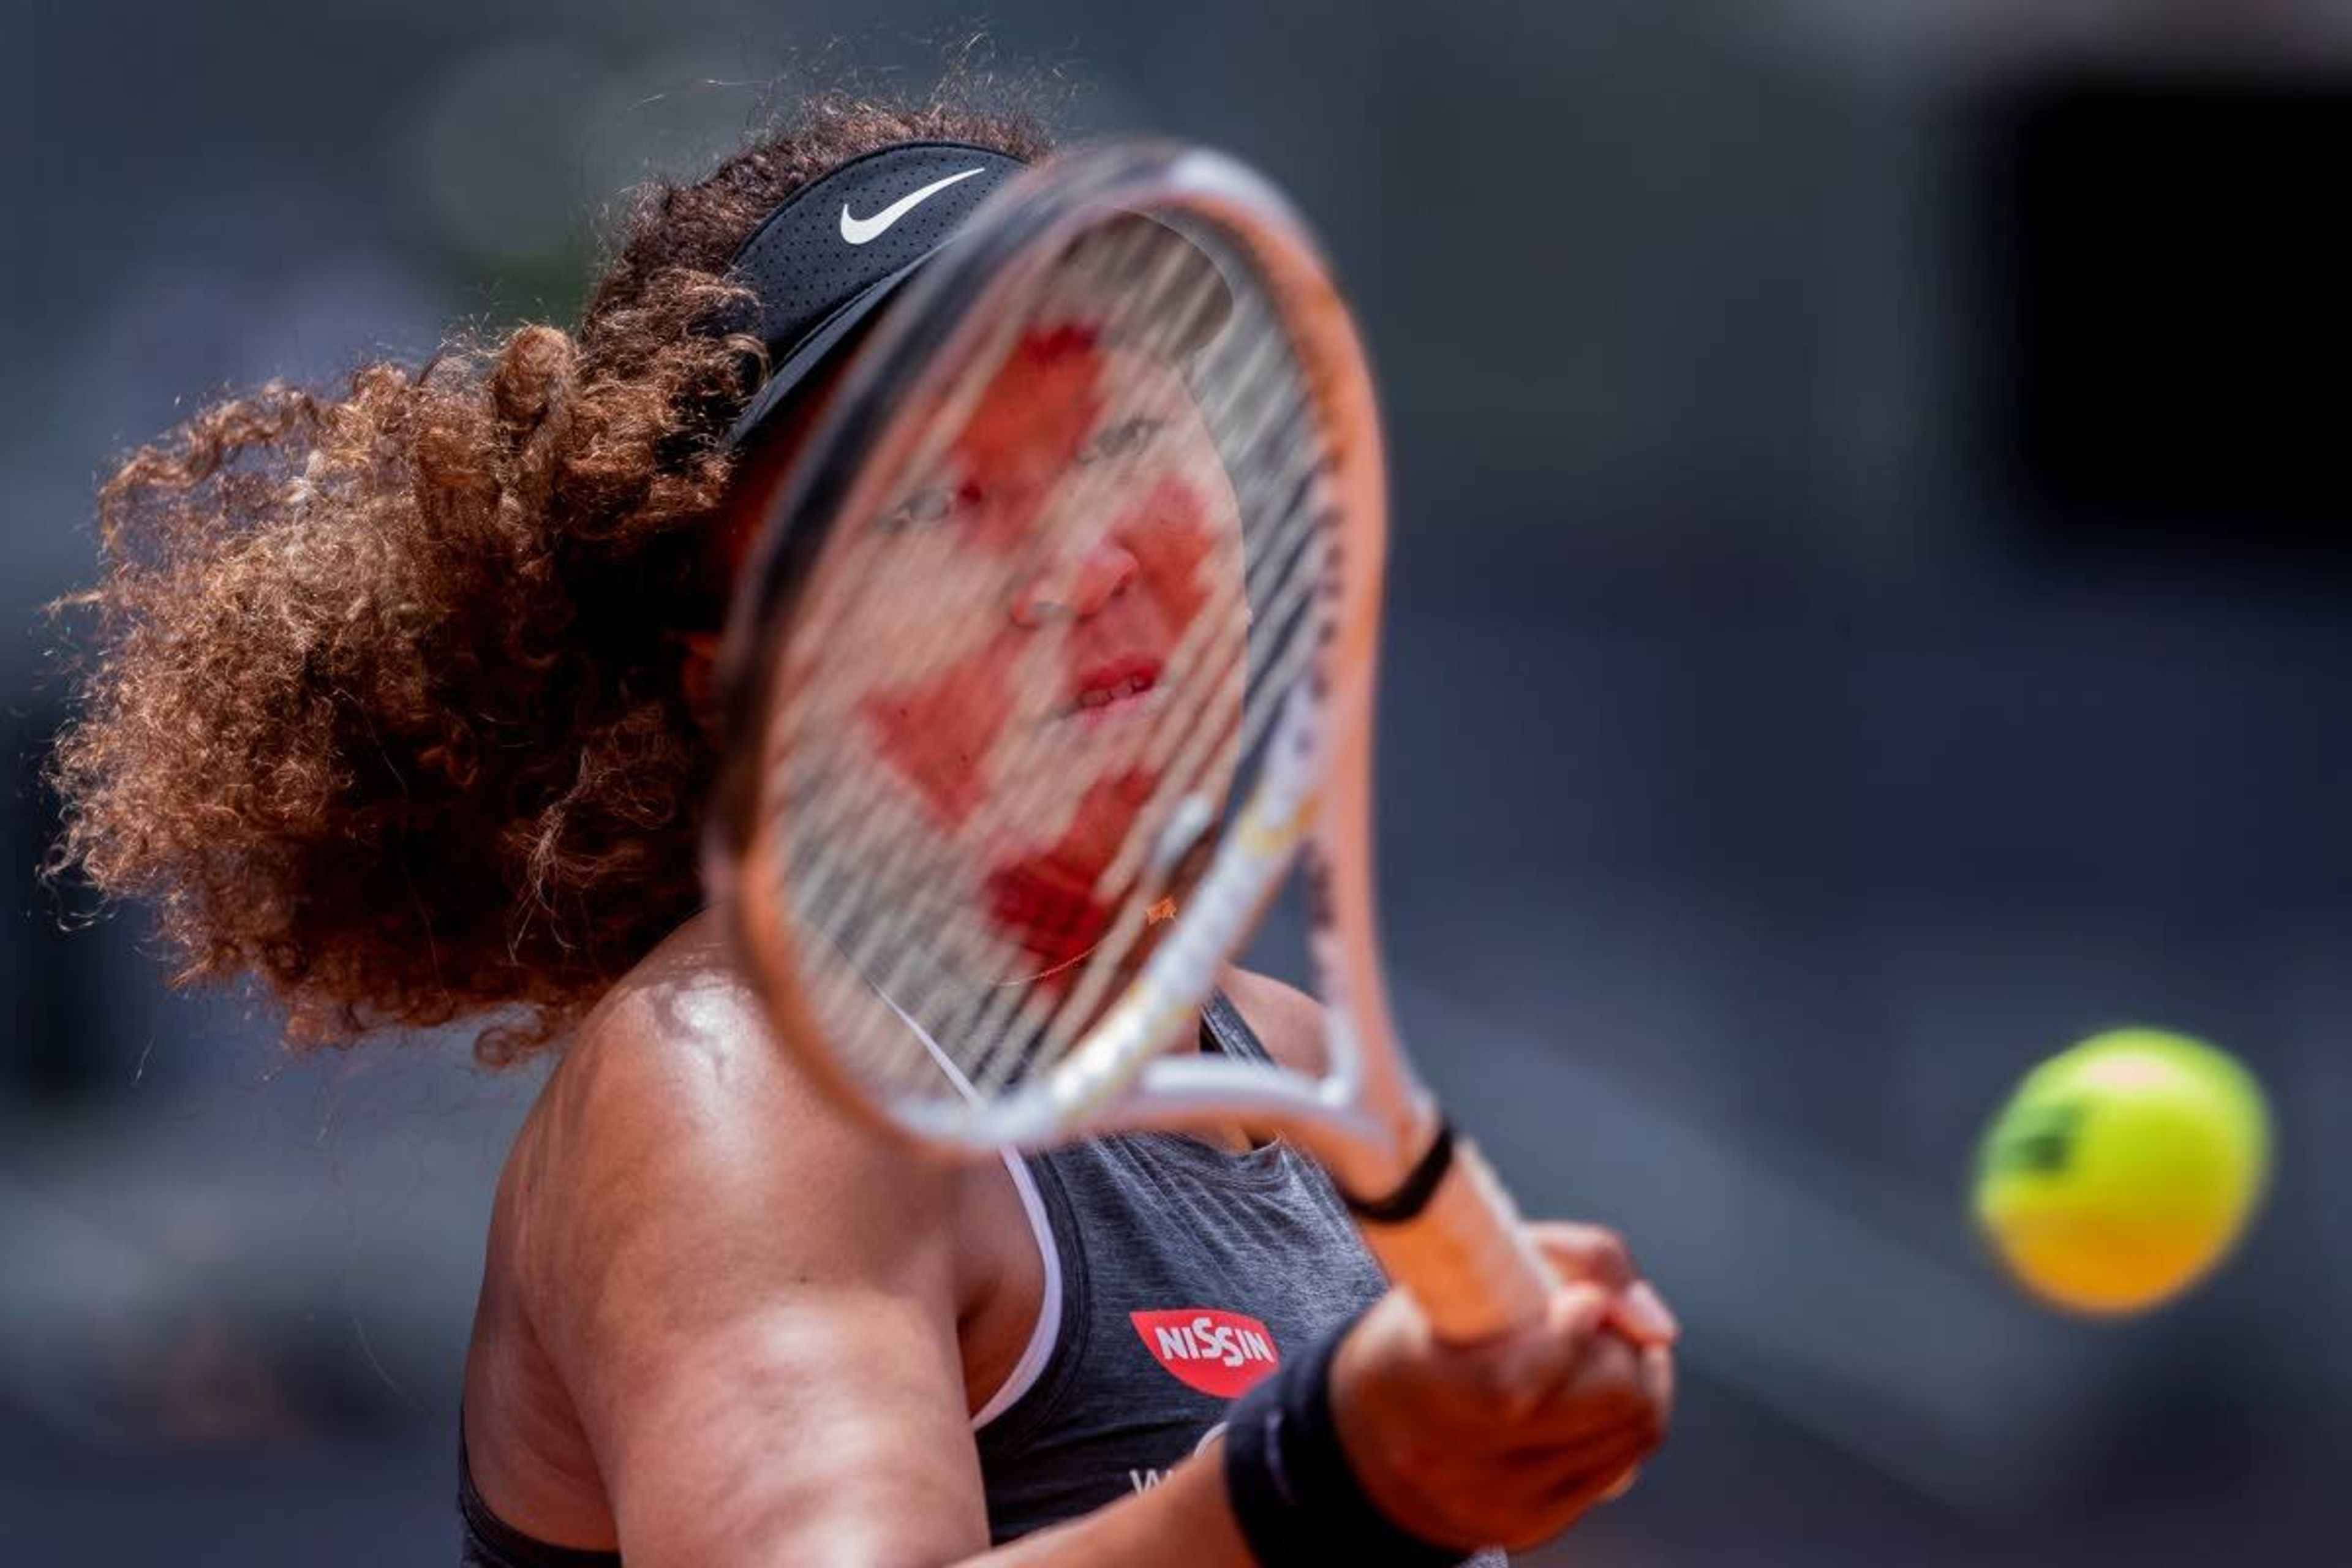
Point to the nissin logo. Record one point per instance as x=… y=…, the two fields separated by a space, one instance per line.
x=1220 y=1354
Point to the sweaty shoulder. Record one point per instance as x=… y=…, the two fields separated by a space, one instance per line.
x=679 y=1185
x=675 y=1101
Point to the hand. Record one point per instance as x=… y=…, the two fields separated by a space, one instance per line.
x=1508 y=1443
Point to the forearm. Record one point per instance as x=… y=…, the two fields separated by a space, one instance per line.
x=1185 y=1521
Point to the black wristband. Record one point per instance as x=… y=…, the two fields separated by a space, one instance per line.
x=1297 y=1502
x=1420 y=1184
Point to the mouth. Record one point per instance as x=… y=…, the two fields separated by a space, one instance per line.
x=1114 y=684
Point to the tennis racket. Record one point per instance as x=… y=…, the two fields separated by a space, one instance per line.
x=1053 y=660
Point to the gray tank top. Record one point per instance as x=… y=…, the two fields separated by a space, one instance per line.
x=1183 y=1274
x=1177 y=1275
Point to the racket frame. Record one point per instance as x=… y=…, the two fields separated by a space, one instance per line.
x=1366 y=1118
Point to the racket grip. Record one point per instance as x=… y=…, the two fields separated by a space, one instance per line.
x=1464 y=1256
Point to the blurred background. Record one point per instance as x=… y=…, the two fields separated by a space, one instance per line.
x=1873 y=605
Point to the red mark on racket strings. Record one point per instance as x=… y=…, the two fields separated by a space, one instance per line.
x=1047 y=900
x=1169 y=531
x=936 y=734
x=1128 y=595
x=1027 y=429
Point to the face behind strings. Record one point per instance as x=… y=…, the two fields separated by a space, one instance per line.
x=1029 y=671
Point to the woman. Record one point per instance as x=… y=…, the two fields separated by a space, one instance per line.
x=398 y=701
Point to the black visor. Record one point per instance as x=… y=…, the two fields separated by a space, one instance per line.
x=838 y=247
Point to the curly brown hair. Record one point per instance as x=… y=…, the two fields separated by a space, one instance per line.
x=382 y=698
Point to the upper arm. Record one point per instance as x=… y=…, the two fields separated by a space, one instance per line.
x=752 y=1301
x=1287 y=1021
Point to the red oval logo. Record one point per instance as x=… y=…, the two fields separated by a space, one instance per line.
x=1220 y=1354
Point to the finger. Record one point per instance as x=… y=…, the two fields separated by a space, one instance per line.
x=1522 y=1373
x=1640 y=1314
x=1555 y=1470
x=1606 y=1483
x=1591 y=1253
x=1572 y=1328
x=1598 y=1255
x=1606 y=1392
x=1599 y=1472
x=1658 y=1383
x=1548 y=1488
x=1556 y=1485
x=1645 y=1412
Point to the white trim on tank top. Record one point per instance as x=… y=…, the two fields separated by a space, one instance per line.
x=1047 y=1329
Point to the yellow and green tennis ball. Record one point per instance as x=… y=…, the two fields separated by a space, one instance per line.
x=2123 y=1170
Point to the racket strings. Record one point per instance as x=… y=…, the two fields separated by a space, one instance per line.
x=920 y=612
x=902 y=899
x=1014 y=1047
x=1178 y=756
x=1009 y=1027
x=922 y=854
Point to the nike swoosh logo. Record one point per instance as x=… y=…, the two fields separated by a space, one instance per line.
x=858 y=230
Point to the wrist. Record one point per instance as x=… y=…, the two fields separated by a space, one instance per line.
x=1294 y=1489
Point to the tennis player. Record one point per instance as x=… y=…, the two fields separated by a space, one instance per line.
x=400 y=701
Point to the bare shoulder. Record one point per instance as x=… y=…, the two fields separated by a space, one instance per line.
x=1287 y=1020
x=706 y=1256
x=675 y=1108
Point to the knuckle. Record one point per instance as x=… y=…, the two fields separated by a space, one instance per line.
x=1616 y=1392
x=1509 y=1387
x=1516 y=1403
x=1593 y=1252
x=1412 y=1455
x=1616 y=1365
x=1500 y=1395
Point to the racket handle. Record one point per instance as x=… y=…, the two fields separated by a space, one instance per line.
x=1464 y=1254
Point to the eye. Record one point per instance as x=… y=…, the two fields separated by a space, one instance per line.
x=923 y=509
x=1119 y=440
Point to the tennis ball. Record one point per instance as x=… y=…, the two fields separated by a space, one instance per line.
x=2123 y=1169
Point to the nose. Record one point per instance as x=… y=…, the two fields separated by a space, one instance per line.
x=1079 y=589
